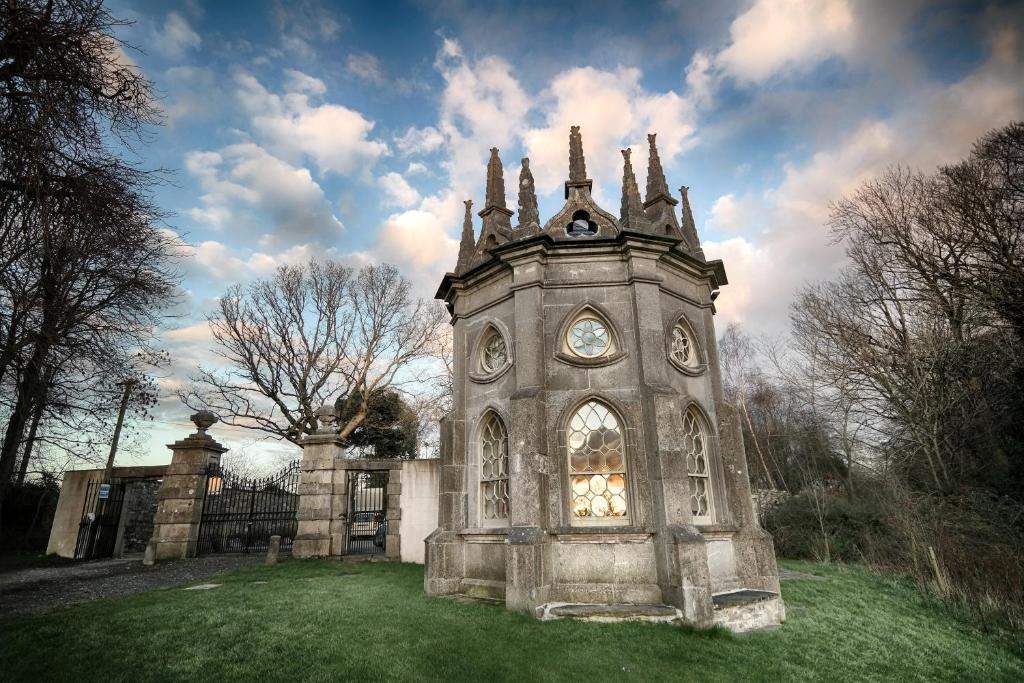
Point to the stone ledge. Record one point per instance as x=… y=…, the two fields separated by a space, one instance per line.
x=610 y=613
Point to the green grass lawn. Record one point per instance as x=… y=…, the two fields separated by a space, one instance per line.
x=323 y=621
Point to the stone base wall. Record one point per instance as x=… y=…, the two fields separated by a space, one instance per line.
x=609 y=568
x=752 y=617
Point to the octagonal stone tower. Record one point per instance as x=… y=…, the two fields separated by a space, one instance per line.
x=590 y=466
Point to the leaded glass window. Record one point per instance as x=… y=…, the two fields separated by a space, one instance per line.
x=588 y=337
x=494 y=353
x=597 y=463
x=493 y=469
x=683 y=350
x=698 y=468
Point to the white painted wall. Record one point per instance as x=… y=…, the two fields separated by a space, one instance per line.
x=419 y=506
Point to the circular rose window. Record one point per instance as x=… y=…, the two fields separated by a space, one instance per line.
x=588 y=337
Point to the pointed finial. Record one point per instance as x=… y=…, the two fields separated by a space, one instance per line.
x=528 y=212
x=495 y=182
x=577 y=164
x=632 y=211
x=689 y=226
x=468 y=243
x=656 y=184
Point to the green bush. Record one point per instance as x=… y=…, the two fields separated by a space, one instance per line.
x=854 y=530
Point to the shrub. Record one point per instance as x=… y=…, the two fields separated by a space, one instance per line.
x=967 y=548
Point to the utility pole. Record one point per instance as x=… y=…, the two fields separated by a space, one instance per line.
x=128 y=385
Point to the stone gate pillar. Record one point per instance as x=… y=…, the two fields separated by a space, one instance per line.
x=180 y=506
x=320 y=505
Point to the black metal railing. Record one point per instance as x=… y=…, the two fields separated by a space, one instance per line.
x=241 y=514
x=101 y=516
x=367 y=512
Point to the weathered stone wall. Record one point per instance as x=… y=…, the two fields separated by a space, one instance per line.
x=140 y=504
x=545 y=553
x=68 y=515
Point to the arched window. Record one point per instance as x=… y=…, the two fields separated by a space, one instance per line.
x=597 y=463
x=581 y=225
x=698 y=467
x=493 y=469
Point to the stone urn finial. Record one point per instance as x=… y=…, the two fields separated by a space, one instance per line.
x=328 y=420
x=203 y=420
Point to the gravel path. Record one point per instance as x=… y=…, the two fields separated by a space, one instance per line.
x=37 y=590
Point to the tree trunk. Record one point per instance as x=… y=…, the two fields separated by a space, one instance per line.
x=28 y=391
x=26 y=455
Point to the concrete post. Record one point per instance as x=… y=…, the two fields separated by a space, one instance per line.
x=180 y=507
x=273 y=549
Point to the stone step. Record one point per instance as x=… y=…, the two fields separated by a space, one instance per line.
x=617 y=612
x=746 y=610
x=742 y=596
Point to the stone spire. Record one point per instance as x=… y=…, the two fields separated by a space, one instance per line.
x=689 y=226
x=577 y=164
x=497 y=227
x=656 y=185
x=631 y=216
x=468 y=244
x=529 y=215
x=495 y=182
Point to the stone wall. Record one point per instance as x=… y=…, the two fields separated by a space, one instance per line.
x=68 y=515
x=419 y=507
x=137 y=516
x=324 y=498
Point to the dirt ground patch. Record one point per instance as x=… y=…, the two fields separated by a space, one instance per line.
x=41 y=589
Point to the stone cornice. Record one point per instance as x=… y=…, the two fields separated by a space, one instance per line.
x=544 y=248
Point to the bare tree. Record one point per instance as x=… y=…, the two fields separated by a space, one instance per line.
x=84 y=267
x=309 y=335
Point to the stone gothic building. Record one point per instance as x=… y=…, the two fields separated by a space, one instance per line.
x=590 y=466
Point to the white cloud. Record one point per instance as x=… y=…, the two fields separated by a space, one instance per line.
x=770 y=258
x=419 y=140
x=304 y=23
x=730 y=215
x=420 y=241
x=619 y=112
x=775 y=35
x=176 y=37
x=399 y=191
x=335 y=137
x=214 y=216
x=295 y=204
x=366 y=67
x=296 y=81
x=745 y=263
x=415 y=167
x=482 y=106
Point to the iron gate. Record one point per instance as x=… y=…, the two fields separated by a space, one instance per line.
x=367 y=512
x=241 y=514
x=97 y=531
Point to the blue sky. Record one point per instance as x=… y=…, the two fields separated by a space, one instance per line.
x=356 y=129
